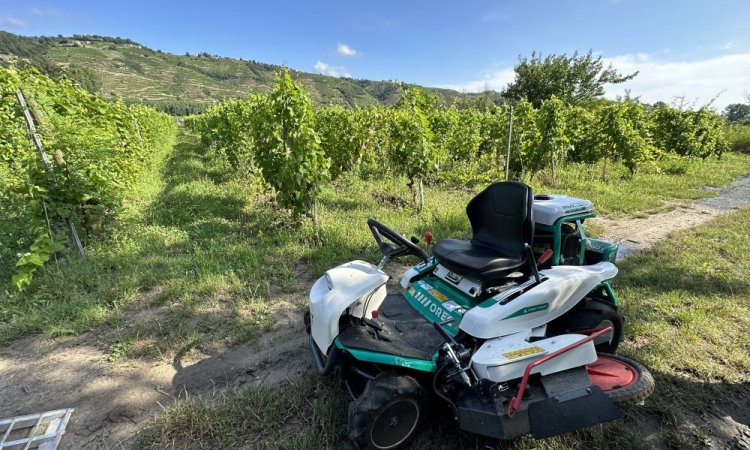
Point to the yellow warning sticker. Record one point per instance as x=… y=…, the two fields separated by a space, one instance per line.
x=528 y=351
x=439 y=296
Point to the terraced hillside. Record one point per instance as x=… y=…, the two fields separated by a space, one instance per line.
x=134 y=72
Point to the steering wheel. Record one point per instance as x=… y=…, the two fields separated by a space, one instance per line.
x=398 y=246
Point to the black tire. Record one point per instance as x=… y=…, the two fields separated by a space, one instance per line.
x=591 y=314
x=637 y=392
x=306 y=320
x=387 y=414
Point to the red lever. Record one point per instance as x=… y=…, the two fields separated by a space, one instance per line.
x=428 y=237
x=546 y=254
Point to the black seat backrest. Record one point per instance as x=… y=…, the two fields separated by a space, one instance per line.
x=502 y=217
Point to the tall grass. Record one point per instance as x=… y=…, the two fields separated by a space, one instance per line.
x=739 y=137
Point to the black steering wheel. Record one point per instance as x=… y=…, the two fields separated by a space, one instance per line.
x=401 y=246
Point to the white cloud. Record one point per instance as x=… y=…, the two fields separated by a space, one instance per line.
x=495 y=80
x=659 y=79
x=345 y=50
x=698 y=82
x=11 y=22
x=334 y=71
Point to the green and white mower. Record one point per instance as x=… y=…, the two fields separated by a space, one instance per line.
x=514 y=330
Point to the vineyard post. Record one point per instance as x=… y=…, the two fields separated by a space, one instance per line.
x=45 y=160
x=421 y=194
x=507 y=152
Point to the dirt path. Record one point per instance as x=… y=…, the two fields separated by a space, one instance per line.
x=114 y=400
x=637 y=234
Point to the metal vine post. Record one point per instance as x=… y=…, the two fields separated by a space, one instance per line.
x=45 y=160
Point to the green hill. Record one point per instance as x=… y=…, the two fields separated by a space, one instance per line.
x=124 y=68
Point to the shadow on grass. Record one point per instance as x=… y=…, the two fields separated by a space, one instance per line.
x=682 y=413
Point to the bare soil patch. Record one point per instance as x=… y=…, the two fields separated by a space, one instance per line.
x=112 y=400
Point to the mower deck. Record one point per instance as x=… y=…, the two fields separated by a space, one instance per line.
x=405 y=332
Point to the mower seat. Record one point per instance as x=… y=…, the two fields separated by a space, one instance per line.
x=502 y=222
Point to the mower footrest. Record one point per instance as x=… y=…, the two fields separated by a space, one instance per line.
x=563 y=414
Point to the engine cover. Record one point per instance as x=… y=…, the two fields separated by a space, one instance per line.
x=563 y=288
x=549 y=208
x=504 y=359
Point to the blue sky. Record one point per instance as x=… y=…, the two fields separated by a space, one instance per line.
x=698 y=49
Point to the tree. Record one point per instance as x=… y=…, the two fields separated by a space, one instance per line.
x=570 y=78
x=625 y=133
x=494 y=132
x=737 y=112
x=288 y=147
x=410 y=146
x=336 y=127
x=524 y=153
x=554 y=141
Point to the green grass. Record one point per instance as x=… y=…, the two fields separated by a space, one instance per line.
x=212 y=254
x=739 y=137
x=215 y=255
x=649 y=188
x=200 y=258
x=687 y=304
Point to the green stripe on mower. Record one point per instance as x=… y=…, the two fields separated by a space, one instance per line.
x=391 y=360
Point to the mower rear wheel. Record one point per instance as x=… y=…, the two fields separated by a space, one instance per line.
x=593 y=314
x=623 y=380
x=387 y=414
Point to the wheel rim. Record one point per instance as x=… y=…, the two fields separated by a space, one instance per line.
x=395 y=423
x=609 y=373
x=606 y=338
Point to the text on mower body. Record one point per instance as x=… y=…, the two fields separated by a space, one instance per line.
x=439 y=312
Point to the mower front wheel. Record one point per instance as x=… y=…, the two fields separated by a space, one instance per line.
x=387 y=414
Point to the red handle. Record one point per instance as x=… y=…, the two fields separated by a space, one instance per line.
x=515 y=403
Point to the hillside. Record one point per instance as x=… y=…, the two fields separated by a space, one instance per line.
x=124 y=68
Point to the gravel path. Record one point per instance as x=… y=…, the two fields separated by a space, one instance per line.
x=735 y=196
x=635 y=234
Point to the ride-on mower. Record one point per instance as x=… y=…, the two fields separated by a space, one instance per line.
x=514 y=330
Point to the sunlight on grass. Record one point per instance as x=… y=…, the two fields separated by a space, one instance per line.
x=687 y=304
x=209 y=256
x=197 y=237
